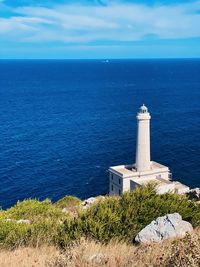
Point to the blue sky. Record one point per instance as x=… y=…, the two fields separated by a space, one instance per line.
x=99 y=29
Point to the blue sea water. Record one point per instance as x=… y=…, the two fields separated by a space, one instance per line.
x=63 y=123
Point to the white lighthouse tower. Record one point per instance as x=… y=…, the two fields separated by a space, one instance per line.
x=126 y=177
x=143 y=162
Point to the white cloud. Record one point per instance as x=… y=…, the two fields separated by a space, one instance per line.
x=112 y=23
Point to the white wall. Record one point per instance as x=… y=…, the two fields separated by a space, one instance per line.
x=119 y=185
x=143 y=143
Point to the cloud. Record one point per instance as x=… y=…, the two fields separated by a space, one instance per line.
x=47 y=3
x=103 y=22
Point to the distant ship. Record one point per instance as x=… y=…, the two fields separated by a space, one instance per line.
x=105 y=61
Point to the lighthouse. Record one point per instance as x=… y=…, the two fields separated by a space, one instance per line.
x=143 y=140
x=127 y=177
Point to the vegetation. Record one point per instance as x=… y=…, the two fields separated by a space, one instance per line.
x=68 y=201
x=43 y=222
x=114 y=218
x=170 y=253
x=28 y=256
x=34 y=210
x=124 y=217
x=41 y=226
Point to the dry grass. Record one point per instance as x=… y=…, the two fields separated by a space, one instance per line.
x=170 y=253
x=27 y=257
x=180 y=253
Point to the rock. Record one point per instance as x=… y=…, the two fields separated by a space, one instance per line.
x=168 y=226
x=24 y=221
x=98 y=258
x=18 y=221
x=194 y=193
x=65 y=210
x=90 y=201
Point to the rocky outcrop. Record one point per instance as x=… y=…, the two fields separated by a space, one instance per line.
x=168 y=226
x=87 y=203
x=194 y=194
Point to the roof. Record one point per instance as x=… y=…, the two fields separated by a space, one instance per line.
x=129 y=170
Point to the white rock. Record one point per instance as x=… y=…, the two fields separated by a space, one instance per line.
x=88 y=202
x=97 y=258
x=18 y=221
x=168 y=226
x=65 y=210
x=91 y=200
x=23 y=221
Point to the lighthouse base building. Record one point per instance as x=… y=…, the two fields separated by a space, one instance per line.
x=126 y=177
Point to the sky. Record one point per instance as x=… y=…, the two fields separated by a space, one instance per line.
x=93 y=29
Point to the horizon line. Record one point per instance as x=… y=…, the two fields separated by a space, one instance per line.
x=148 y=58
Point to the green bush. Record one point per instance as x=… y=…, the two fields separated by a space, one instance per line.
x=115 y=217
x=45 y=222
x=34 y=210
x=13 y=234
x=70 y=204
x=124 y=217
x=68 y=201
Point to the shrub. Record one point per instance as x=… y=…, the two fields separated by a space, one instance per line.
x=13 y=234
x=113 y=218
x=34 y=210
x=68 y=201
x=45 y=222
x=124 y=217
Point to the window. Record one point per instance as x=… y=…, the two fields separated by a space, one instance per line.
x=111 y=176
x=119 y=181
x=112 y=187
x=119 y=192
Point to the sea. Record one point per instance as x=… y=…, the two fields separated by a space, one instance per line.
x=64 y=122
